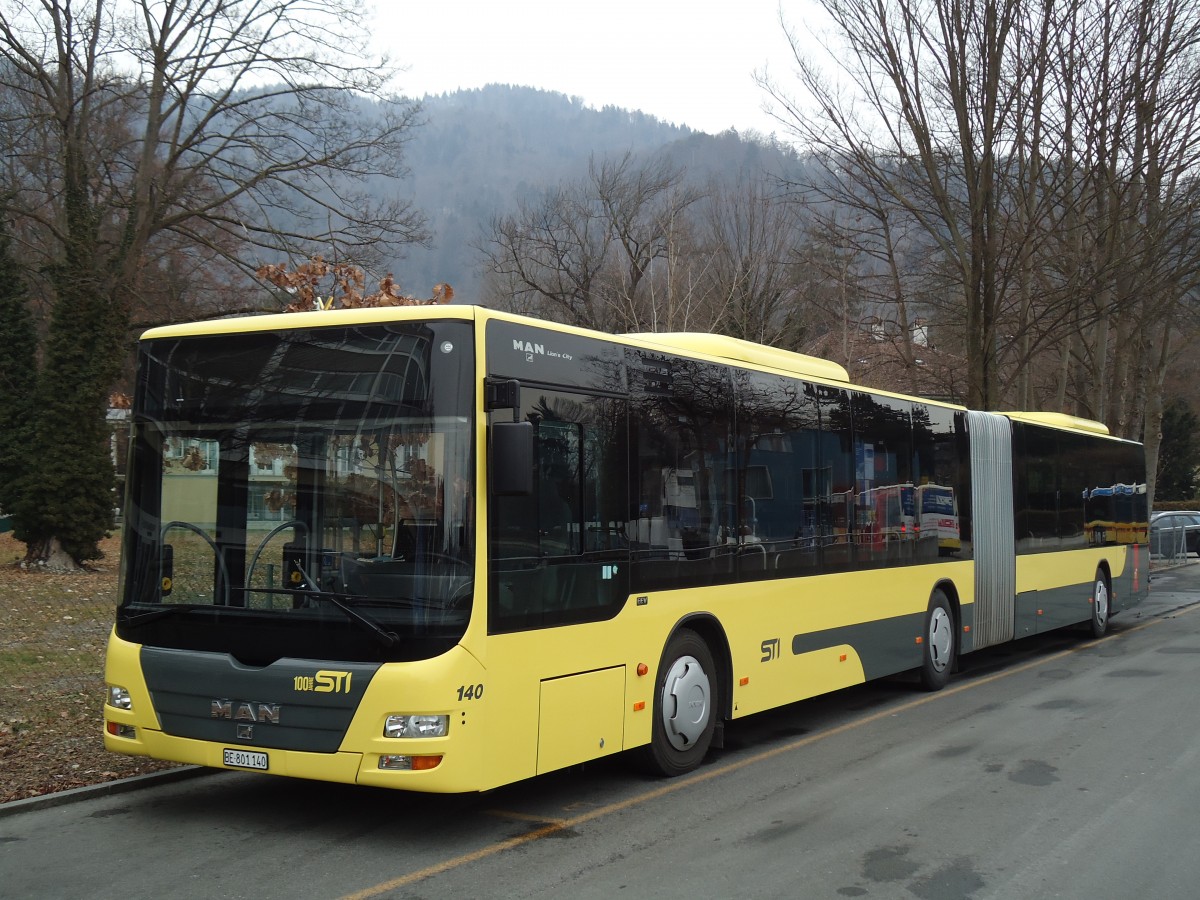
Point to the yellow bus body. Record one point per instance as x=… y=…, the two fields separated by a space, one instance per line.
x=549 y=698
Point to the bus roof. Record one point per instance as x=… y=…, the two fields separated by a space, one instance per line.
x=1059 y=420
x=314 y=319
x=717 y=346
x=731 y=348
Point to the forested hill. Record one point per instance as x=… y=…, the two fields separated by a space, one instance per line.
x=481 y=151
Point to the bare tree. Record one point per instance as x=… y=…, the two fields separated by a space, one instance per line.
x=585 y=251
x=748 y=231
x=933 y=79
x=886 y=268
x=201 y=118
x=1124 y=78
x=549 y=256
x=1154 y=214
x=142 y=130
x=643 y=205
x=1048 y=153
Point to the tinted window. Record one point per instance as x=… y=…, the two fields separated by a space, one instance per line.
x=560 y=555
x=1076 y=461
x=528 y=353
x=884 y=500
x=783 y=485
x=683 y=530
x=278 y=474
x=838 y=458
x=940 y=473
x=1036 y=496
x=1076 y=490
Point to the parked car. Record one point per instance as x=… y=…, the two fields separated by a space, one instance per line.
x=1175 y=533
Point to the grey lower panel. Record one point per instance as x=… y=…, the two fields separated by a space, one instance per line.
x=884 y=647
x=1042 y=611
x=291 y=704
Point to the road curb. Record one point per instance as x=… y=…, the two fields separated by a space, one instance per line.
x=106 y=788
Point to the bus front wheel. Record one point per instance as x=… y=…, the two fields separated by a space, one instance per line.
x=940 y=643
x=685 y=706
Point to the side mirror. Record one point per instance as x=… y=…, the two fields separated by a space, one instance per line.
x=512 y=459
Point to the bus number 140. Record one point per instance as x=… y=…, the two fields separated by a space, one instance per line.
x=470 y=692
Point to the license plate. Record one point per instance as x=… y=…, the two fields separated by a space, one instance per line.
x=246 y=759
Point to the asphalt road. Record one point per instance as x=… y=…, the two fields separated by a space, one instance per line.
x=1055 y=767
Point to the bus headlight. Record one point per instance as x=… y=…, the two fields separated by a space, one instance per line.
x=119 y=698
x=405 y=726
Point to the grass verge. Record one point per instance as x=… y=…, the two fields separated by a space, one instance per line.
x=52 y=664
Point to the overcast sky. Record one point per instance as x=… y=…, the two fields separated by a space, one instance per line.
x=689 y=62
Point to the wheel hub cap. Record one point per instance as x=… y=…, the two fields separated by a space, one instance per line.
x=1101 y=602
x=686 y=702
x=941 y=639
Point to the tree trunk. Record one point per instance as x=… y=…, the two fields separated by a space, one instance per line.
x=47 y=555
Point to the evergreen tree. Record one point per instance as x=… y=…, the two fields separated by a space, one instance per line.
x=1179 y=455
x=65 y=504
x=18 y=374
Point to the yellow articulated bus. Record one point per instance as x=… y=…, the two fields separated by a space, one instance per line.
x=447 y=548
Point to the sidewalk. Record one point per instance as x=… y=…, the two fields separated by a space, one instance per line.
x=120 y=786
x=1173 y=586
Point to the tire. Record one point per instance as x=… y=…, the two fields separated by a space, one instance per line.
x=1100 y=605
x=940 y=643
x=685 y=706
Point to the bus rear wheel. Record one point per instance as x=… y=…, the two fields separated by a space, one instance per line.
x=685 y=706
x=1100 y=605
x=940 y=643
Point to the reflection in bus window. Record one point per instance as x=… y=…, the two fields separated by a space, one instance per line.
x=685 y=530
x=560 y=555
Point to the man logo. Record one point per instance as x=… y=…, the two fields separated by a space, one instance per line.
x=528 y=347
x=241 y=711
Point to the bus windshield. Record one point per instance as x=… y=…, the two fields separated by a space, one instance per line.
x=302 y=494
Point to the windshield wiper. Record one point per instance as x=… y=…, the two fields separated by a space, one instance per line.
x=387 y=638
x=134 y=620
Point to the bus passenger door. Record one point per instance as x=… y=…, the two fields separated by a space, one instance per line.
x=559 y=555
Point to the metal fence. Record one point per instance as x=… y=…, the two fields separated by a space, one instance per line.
x=1169 y=544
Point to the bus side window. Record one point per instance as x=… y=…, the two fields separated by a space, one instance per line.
x=558 y=555
x=558 y=487
x=778 y=478
x=685 y=470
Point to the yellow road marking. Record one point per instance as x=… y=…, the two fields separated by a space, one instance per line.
x=671 y=787
x=524 y=817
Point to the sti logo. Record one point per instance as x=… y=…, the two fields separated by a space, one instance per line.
x=324 y=682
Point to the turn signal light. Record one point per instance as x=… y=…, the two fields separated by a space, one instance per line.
x=398 y=763
x=121 y=731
